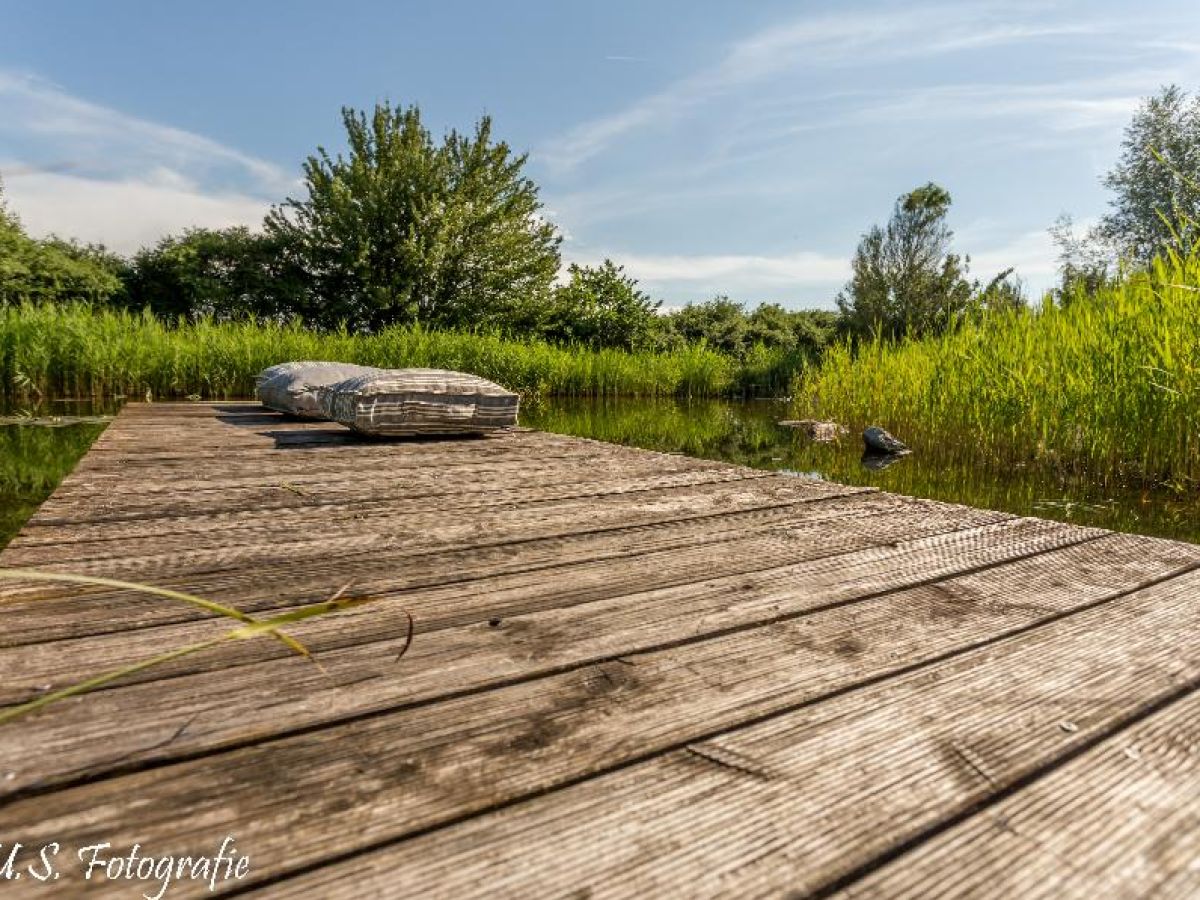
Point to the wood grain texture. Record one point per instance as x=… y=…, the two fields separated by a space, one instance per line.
x=632 y=674
x=365 y=678
x=1120 y=820
x=479 y=586
x=797 y=801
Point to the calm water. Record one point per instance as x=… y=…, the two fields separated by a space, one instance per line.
x=36 y=455
x=747 y=433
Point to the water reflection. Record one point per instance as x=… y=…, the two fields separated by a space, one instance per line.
x=748 y=433
x=39 y=444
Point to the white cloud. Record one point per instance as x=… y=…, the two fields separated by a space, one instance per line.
x=1032 y=254
x=79 y=169
x=99 y=138
x=801 y=268
x=124 y=214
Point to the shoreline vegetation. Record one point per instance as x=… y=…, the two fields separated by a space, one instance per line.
x=75 y=349
x=1106 y=382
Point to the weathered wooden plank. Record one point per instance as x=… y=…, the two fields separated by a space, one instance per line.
x=298 y=540
x=504 y=640
x=361 y=540
x=1120 y=820
x=591 y=512
x=158 y=487
x=431 y=764
x=413 y=463
x=426 y=461
x=163 y=491
x=308 y=506
x=466 y=586
x=452 y=551
x=155 y=485
x=792 y=804
x=109 y=508
x=137 y=454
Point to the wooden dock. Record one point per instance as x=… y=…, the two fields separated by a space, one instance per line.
x=632 y=674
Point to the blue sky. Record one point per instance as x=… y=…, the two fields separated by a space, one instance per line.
x=710 y=147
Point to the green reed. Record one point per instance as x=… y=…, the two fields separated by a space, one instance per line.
x=1107 y=384
x=78 y=350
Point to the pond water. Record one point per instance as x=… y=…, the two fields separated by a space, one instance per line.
x=748 y=433
x=39 y=444
x=40 y=449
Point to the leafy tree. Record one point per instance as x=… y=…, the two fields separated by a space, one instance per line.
x=1085 y=262
x=225 y=273
x=720 y=323
x=599 y=306
x=51 y=270
x=905 y=279
x=1157 y=179
x=726 y=326
x=772 y=326
x=403 y=230
x=815 y=329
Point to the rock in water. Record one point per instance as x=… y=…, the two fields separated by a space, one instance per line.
x=879 y=441
x=821 y=432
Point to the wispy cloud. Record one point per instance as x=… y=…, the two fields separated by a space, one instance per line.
x=37 y=112
x=119 y=179
x=1105 y=102
x=860 y=39
x=1036 y=111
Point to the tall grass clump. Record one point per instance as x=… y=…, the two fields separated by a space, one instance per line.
x=1107 y=384
x=76 y=349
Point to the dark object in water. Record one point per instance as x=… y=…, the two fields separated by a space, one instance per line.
x=879 y=441
x=821 y=432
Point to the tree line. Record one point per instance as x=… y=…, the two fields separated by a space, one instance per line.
x=400 y=228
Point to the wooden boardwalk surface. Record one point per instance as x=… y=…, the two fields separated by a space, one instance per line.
x=632 y=674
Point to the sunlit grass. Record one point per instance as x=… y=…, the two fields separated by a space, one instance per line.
x=74 y=349
x=1108 y=385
